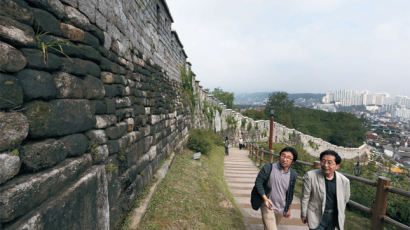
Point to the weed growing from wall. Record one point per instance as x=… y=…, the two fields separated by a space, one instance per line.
x=188 y=89
x=231 y=121
x=44 y=43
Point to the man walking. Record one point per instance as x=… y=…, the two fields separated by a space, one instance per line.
x=325 y=194
x=273 y=190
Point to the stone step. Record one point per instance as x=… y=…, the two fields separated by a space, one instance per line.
x=240 y=174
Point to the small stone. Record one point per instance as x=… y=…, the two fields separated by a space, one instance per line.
x=11 y=60
x=44 y=154
x=9 y=166
x=37 y=84
x=16 y=32
x=69 y=86
x=94 y=88
x=14 y=128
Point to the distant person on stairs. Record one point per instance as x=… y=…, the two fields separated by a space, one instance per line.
x=226 y=146
x=273 y=190
x=241 y=143
x=325 y=194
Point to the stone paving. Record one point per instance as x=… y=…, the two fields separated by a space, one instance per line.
x=240 y=174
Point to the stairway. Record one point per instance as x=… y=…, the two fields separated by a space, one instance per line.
x=240 y=174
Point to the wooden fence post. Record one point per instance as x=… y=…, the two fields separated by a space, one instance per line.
x=380 y=205
x=261 y=158
x=271 y=156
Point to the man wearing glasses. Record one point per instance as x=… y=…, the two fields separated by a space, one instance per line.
x=273 y=190
x=325 y=194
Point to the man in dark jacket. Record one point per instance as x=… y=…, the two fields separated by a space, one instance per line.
x=273 y=190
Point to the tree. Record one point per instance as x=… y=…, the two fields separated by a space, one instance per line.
x=255 y=114
x=283 y=108
x=224 y=97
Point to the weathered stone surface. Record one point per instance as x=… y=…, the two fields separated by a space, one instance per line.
x=35 y=59
x=101 y=154
x=13 y=130
x=11 y=92
x=94 y=88
x=11 y=60
x=75 y=144
x=22 y=194
x=81 y=67
x=88 y=7
x=124 y=113
x=85 y=201
x=130 y=124
x=113 y=90
x=43 y=154
x=76 y=18
x=46 y=22
x=100 y=106
x=107 y=41
x=59 y=117
x=15 y=32
x=100 y=20
x=9 y=166
x=92 y=40
x=97 y=136
x=73 y=3
x=18 y=10
x=107 y=77
x=103 y=121
x=69 y=86
x=109 y=66
x=37 y=84
x=117 y=131
x=123 y=102
x=113 y=146
x=54 y=6
x=73 y=33
x=83 y=52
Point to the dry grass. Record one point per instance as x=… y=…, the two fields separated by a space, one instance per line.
x=193 y=195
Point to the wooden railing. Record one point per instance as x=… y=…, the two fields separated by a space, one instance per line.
x=378 y=217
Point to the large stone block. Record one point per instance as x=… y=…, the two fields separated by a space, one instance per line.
x=117 y=131
x=44 y=154
x=59 y=117
x=37 y=84
x=78 y=66
x=18 y=10
x=88 y=7
x=101 y=154
x=35 y=59
x=9 y=166
x=13 y=130
x=54 y=6
x=15 y=32
x=75 y=144
x=94 y=88
x=97 y=136
x=82 y=205
x=46 y=22
x=22 y=194
x=11 y=60
x=69 y=86
x=11 y=92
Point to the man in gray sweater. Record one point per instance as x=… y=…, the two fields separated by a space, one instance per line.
x=273 y=190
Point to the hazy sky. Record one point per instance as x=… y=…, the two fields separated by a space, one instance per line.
x=297 y=45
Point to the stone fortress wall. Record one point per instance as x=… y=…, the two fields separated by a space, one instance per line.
x=83 y=130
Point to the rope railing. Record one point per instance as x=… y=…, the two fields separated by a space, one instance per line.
x=383 y=188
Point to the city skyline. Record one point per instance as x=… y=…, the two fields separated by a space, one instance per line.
x=310 y=46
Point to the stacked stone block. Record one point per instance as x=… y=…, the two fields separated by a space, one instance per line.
x=90 y=105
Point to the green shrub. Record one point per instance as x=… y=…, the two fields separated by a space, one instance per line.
x=201 y=140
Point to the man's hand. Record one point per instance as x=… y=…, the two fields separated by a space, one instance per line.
x=268 y=203
x=287 y=215
x=304 y=219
